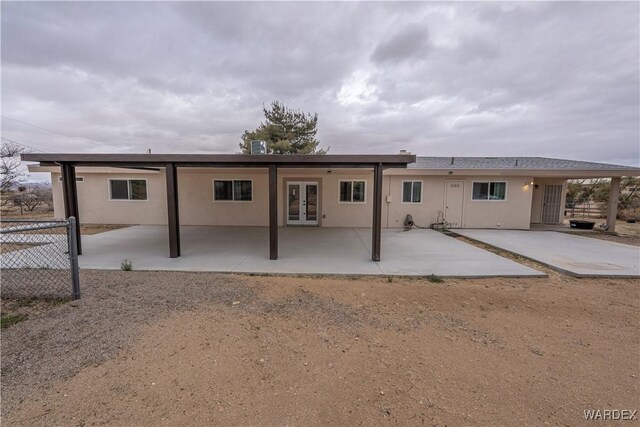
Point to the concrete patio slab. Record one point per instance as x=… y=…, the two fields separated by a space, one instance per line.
x=575 y=255
x=303 y=250
x=418 y=252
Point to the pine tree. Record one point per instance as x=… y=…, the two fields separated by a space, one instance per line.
x=286 y=131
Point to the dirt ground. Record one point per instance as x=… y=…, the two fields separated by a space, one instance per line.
x=160 y=348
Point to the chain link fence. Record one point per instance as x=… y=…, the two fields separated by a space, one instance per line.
x=39 y=259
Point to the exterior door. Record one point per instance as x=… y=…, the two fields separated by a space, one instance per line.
x=302 y=203
x=453 y=199
x=551 y=200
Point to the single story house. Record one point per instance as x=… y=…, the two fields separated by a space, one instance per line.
x=376 y=191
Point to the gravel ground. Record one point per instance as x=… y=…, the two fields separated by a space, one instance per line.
x=166 y=348
x=57 y=344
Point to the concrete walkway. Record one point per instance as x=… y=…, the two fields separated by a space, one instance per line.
x=303 y=250
x=575 y=255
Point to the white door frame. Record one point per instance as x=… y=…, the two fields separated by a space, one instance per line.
x=447 y=182
x=302 y=203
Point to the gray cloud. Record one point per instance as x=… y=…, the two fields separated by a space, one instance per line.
x=548 y=79
x=410 y=43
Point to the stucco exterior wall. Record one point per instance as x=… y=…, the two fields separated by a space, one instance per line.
x=96 y=208
x=512 y=213
x=538 y=193
x=197 y=206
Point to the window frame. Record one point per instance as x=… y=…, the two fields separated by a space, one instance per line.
x=412 y=181
x=79 y=179
x=233 y=193
x=129 y=199
x=349 y=202
x=489 y=199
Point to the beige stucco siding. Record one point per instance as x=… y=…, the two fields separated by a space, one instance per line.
x=425 y=213
x=513 y=213
x=197 y=206
x=96 y=208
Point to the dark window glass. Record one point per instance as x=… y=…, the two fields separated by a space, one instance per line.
x=138 y=189
x=223 y=190
x=358 y=191
x=345 y=191
x=406 y=192
x=119 y=189
x=242 y=190
x=480 y=190
x=498 y=191
x=417 y=192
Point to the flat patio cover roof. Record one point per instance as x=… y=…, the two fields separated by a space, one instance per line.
x=171 y=162
x=224 y=160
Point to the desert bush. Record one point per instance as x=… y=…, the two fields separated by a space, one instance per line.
x=126 y=265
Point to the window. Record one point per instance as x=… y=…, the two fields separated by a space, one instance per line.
x=489 y=191
x=352 y=191
x=78 y=178
x=411 y=191
x=233 y=190
x=128 y=189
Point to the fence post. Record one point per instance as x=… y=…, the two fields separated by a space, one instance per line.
x=73 y=257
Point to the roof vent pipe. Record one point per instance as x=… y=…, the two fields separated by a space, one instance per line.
x=516 y=162
x=452 y=159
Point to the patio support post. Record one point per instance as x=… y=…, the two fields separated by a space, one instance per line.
x=273 y=211
x=70 y=195
x=614 y=194
x=377 y=212
x=171 y=173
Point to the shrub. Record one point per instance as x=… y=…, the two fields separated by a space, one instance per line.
x=126 y=265
x=8 y=320
x=435 y=279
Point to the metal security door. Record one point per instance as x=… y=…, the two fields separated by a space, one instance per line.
x=551 y=204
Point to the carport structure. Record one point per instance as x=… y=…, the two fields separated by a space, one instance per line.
x=272 y=162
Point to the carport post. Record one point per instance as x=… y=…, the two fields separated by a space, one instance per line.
x=273 y=211
x=172 y=210
x=70 y=195
x=614 y=194
x=377 y=212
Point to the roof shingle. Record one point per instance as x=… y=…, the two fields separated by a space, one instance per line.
x=510 y=163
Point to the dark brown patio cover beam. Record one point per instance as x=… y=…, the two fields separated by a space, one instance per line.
x=376 y=231
x=70 y=196
x=273 y=212
x=173 y=210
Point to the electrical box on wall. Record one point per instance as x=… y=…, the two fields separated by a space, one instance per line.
x=389 y=198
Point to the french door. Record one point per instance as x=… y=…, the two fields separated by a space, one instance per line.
x=302 y=203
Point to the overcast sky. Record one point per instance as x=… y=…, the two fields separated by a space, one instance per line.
x=451 y=79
